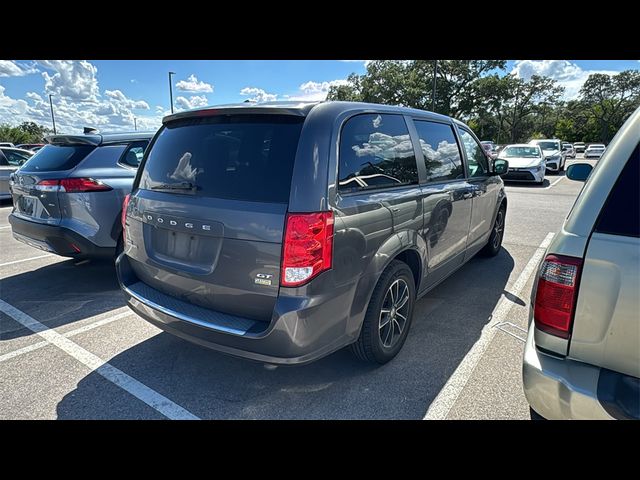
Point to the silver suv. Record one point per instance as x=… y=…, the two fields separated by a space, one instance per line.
x=67 y=198
x=582 y=357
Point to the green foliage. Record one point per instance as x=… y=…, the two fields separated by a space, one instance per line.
x=500 y=107
x=26 y=132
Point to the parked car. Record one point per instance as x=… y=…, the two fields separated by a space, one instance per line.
x=582 y=356
x=34 y=147
x=7 y=144
x=568 y=149
x=595 y=150
x=10 y=160
x=490 y=148
x=579 y=147
x=554 y=155
x=526 y=163
x=67 y=198
x=245 y=231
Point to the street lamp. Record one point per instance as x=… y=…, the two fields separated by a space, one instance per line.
x=171 y=90
x=135 y=125
x=53 y=120
x=433 y=94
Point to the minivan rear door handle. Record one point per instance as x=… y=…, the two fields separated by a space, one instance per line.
x=467 y=195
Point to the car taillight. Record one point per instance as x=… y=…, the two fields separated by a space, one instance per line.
x=72 y=185
x=123 y=218
x=556 y=294
x=308 y=247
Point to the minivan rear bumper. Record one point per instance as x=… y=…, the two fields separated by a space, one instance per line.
x=55 y=239
x=560 y=388
x=302 y=330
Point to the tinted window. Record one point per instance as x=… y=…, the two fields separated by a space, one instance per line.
x=133 y=154
x=53 y=158
x=549 y=145
x=440 y=149
x=477 y=164
x=621 y=212
x=376 y=152
x=16 y=158
x=245 y=157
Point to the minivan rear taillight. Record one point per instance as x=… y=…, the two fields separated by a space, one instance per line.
x=72 y=185
x=556 y=294
x=307 y=248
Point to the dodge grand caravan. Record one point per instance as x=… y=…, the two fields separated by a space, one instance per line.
x=282 y=232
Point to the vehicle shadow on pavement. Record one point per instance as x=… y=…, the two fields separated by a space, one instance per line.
x=61 y=293
x=548 y=180
x=446 y=324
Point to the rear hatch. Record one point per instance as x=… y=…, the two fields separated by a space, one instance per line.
x=206 y=221
x=35 y=194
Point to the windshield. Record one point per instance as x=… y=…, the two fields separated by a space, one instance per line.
x=548 y=145
x=527 y=152
x=244 y=157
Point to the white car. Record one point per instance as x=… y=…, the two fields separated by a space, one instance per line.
x=553 y=153
x=526 y=163
x=595 y=150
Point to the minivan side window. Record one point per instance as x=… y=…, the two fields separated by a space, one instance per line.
x=442 y=157
x=621 y=212
x=133 y=154
x=376 y=152
x=477 y=165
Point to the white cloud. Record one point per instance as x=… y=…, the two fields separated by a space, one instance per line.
x=10 y=68
x=567 y=74
x=194 y=101
x=258 y=94
x=121 y=99
x=315 y=91
x=34 y=96
x=73 y=79
x=192 y=84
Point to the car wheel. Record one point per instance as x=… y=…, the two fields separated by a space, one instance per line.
x=494 y=244
x=388 y=318
x=535 y=415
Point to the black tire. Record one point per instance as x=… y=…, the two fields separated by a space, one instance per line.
x=494 y=244
x=374 y=344
x=535 y=415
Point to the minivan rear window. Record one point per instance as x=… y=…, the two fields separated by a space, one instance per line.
x=244 y=157
x=54 y=158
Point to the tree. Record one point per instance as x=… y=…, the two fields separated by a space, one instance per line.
x=26 y=132
x=610 y=100
x=410 y=84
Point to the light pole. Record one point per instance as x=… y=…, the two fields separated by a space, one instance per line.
x=53 y=120
x=433 y=94
x=171 y=89
x=135 y=124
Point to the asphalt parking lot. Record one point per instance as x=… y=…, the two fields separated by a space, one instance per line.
x=92 y=358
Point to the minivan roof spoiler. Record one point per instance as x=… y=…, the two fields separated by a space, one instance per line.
x=300 y=109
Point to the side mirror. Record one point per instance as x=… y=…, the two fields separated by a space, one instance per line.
x=579 y=171
x=500 y=166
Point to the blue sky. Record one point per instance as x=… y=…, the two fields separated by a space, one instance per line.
x=108 y=94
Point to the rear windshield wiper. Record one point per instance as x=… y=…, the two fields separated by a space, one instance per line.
x=187 y=186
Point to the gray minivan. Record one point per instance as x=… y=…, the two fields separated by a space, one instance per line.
x=282 y=232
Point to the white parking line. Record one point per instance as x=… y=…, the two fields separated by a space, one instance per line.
x=25 y=260
x=69 y=334
x=548 y=187
x=446 y=399
x=155 y=400
x=5 y=226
